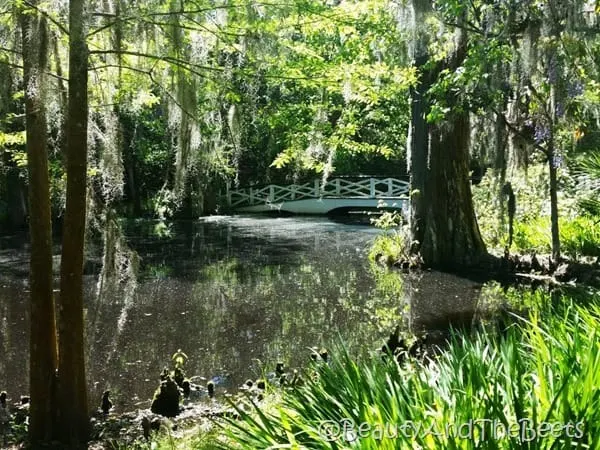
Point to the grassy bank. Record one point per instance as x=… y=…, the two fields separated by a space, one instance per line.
x=579 y=236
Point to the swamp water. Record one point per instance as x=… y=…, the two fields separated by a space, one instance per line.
x=234 y=293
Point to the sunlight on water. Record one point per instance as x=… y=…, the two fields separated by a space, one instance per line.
x=234 y=293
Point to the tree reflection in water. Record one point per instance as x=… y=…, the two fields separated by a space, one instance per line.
x=236 y=294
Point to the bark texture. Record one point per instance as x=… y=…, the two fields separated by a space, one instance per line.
x=444 y=228
x=74 y=415
x=552 y=169
x=449 y=228
x=42 y=348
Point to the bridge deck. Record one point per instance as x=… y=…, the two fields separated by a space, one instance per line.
x=321 y=198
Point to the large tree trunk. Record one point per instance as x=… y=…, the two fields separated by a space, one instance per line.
x=451 y=235
x=417 y=153
x=42 y=348
x=74 y=415
x=443 y=225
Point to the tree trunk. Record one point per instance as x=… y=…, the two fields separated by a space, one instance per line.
x=42 y=348
x=451 y=235
x=417 y=151
x=443 y=225
x=552 y=167
x=74 y=415
x=130 y=162
x=62 y=89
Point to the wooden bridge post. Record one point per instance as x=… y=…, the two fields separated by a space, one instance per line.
x=337 y=187
x=317 y=189
x=251 y=198
x=390 y=184
x=271 y=193
x=228 y=193
x=371 y=187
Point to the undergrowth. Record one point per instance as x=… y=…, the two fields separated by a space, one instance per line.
x=579 y=230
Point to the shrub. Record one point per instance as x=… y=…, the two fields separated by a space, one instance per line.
x=579 y=236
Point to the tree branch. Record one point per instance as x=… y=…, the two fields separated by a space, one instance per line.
x=11 y=50
x=47 y=16
x=516 y=131
x=20 y=67
x=541 y=99
x=168 y=59
x=9 y=64
x=119 y=66
x=182 y=11
x=173 y=99
x=469 y=27
x=198 y=27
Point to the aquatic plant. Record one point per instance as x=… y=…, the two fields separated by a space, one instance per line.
x=166 y=399
x=535 y=386
x=391 y=245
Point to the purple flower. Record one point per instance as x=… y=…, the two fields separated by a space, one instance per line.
x=541 y=133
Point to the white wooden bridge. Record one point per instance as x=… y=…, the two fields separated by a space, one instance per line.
x=356 y=193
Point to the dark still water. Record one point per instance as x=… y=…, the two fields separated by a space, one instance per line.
x=235 y=293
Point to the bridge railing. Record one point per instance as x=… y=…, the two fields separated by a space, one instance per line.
x=333 y=188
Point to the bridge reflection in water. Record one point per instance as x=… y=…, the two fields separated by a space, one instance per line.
x=321 y=198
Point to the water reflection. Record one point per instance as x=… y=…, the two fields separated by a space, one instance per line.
x=14 y=338
x=233 y=293
x=439 y=301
